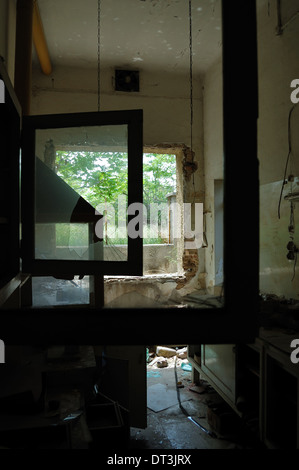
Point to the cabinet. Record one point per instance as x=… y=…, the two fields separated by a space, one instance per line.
x=234 y=371
x=259 y=381
x=217 y=364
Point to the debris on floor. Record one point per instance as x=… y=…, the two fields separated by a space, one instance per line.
x=164 y=356
x=198 y=389
x=222 y=418
x=165 y=351
x=162 y=362
x=182 y=414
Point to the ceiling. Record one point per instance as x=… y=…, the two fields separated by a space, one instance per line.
x=134 y=34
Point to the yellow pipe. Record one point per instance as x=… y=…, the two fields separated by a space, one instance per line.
x=23 y=55
x=40 y=42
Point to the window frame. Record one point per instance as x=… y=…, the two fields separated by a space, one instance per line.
x=237 y=321
x=37 y=267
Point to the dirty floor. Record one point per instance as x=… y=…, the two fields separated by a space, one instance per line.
x=170 y=411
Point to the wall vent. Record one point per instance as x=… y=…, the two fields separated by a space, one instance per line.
x=126 y=80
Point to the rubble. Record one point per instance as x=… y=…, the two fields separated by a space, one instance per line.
x=162 y=362
x=165 y=351
x=182 y=353
x=176 y=357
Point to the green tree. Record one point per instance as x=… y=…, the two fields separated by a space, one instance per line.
x=159 y=177
x=103 y=177
x=98 y=177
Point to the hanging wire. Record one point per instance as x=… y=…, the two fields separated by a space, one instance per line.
x=191 y=73
x=191 y=91
x=184 y=411
x=287 y=160
x=116 y=254
x=99 y=51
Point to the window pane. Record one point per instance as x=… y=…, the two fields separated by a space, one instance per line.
x=81 y=193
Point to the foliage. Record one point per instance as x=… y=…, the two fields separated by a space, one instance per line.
x=97 y=177
x=159 y=177
x=101 y=178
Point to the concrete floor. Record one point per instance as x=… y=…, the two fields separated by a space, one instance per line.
x=170 y=428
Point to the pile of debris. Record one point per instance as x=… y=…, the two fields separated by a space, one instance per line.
x=164 y=356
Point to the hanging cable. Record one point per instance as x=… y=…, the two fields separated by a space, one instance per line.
x=210 y=433
x=191 y=74
x=191 y=91
x=99 y=51
x=284 y=182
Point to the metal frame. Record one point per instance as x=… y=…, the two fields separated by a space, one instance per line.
x=37 y=267
x=11 y=120
x=237 y=321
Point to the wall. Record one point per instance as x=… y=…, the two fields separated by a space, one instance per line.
x=165 y=100
x=213 y=155
x=75 y=90
x=278 y=65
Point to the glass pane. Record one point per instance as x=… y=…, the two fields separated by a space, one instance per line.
x=81 y=193
x=48 y=291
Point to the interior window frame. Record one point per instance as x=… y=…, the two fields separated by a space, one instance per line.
x=48 y=267
x=237 y=321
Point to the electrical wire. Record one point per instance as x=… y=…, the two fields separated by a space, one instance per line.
x=287 y=160
x=191 y=91
x=191 y=72
x=99 y=50
x=211 y=434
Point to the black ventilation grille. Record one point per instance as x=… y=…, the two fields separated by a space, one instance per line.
x=126 y=80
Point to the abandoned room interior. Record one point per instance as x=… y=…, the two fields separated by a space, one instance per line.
x=149 y=181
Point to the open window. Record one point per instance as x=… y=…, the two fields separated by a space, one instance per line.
x=66 y=162
x=236 y=320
